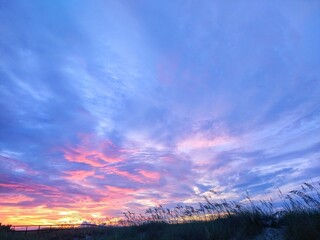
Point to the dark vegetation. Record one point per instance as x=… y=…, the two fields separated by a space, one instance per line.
x=297 y=216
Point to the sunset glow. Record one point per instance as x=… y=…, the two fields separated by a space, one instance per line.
x=114 y=106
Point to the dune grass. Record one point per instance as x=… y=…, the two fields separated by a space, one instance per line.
x=298 y=215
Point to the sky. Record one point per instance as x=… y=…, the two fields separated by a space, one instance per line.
x=116 y=105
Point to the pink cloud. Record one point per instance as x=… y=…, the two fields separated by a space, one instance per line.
x=32 y=188
x=154 y=176
x=14 y=198
x=91 y=151
x=142 y=176
x=116 y=171
x=200 y=142
x=78 y=175
x=93 y=158
x=118 y=192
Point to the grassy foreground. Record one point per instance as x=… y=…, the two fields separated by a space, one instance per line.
x=298 y=218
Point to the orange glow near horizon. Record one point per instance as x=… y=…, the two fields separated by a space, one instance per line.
x=20 y=209
x=81 y=195
x=82 y=209
x=47 y=216
x=77 y=195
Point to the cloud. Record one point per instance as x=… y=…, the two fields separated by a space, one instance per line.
x=197 y=142
x=92 y=158
x=14 y=199
x=150 y=175
x=78 y=175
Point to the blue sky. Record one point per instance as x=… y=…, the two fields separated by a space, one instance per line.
x=114 y=105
